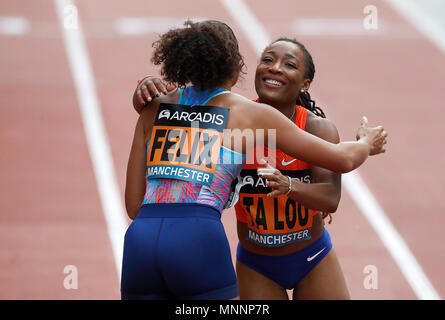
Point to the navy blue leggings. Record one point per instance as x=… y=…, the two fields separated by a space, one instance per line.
x=177 y=251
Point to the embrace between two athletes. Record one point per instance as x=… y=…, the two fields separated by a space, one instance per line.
x=282 y=240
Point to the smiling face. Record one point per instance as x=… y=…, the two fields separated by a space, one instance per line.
x=279 y=76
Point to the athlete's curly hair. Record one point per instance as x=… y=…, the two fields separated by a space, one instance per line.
x=304 y=99
x=205 y=54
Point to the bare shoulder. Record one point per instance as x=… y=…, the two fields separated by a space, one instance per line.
x=251 y=109
x=242 y=112
x=171 y=97
x=322 y=128
x=149 y=112
x=237 y=100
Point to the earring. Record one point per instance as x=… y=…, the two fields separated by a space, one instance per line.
x=302 y=90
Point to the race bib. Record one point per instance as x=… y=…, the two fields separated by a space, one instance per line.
x=186 y=142
x=271 y=228
x=274 y=221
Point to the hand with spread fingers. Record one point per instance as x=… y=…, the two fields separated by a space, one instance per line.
x=279 y=183
x=148 y=89
x=375 y=136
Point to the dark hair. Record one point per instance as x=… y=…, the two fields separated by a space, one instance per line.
x=205 y=54
x=304 y=99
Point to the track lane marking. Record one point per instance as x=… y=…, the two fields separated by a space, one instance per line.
x=393 y=241
x=335 y=27
x=414 y=13
x=139 y=26
x=356 y=187
x=96 y=136
x=14 y=25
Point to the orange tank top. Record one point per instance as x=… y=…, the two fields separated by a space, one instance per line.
x=274 y=221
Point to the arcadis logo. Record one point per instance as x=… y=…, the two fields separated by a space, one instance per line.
x=247 y=180
x=164 y=114
x=217 y=119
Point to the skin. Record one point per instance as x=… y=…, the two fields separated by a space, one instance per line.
x=342 y=157
x=338 y=157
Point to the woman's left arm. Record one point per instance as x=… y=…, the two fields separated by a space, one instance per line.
x=135 y=182
x=325 y=191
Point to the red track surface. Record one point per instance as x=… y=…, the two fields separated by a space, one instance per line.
x=50 y=208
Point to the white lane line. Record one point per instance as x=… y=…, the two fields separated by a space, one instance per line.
x=416 y=14
x=95 y=132
x=136 y=26
x=335 y=27
x=254 y=31
x=14 y=26
x=395 y=244
x=357 y=189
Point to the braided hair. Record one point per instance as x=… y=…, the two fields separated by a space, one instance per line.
x=304 y=98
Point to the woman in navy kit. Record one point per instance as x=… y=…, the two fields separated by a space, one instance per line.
x=157 y=245
x=176 y=246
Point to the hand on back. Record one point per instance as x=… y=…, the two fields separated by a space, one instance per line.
x=150 y=88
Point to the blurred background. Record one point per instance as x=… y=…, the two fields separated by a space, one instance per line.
x=68 y=70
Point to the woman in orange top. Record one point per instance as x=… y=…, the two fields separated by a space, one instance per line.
x=283 y=242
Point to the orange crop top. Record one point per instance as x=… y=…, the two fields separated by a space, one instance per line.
x=275 y=221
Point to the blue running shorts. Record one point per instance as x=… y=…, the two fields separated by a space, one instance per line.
x=177 y=251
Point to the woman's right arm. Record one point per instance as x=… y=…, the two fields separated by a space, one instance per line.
x=341 y=158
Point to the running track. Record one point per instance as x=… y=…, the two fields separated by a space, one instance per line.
x=52 y=212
